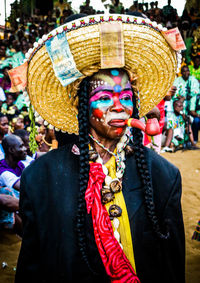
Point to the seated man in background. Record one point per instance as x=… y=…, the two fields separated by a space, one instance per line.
x=177 y=132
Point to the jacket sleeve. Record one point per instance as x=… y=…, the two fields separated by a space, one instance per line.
x=29 y=257
x=173 y=250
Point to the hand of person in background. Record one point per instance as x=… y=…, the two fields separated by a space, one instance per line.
x=170 y=93
x=9 y=203
x=154 y=113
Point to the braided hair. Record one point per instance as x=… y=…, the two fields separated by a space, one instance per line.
x=138 y=149
x=83 y=118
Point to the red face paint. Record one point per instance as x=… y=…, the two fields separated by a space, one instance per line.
x=117 y=106
x=119 y=131
x=97 y=113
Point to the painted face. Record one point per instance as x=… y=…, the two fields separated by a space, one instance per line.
x=110 y=102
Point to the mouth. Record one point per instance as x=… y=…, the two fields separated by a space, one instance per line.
x=117 y=123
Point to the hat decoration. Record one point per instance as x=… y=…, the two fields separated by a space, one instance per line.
x=79 y=45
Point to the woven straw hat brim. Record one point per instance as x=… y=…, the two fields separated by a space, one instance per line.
x=146 y=53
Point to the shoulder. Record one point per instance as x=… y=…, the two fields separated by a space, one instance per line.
x=160 y=167
x=53 y=160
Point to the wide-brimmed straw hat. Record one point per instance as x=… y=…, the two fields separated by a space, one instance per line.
x=92 y=43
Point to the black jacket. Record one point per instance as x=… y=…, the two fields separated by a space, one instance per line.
x=49 y=252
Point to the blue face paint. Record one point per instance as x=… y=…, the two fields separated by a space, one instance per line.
x=114 y=72
x=100 y=104
x=126 y=103
x=117 y=88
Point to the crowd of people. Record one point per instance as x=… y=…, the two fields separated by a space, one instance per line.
x=178 y=113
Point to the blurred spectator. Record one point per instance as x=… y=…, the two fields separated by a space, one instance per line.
x=2 y=96
x=168 y=11
x=195 y=67
x=187 y=87
x=24 y=135
x=17 y=123
x=195 y=112
x=46 y=139
x=177 y=132
x=4 y=128
x=64 y=17
x=87 y=9
x=185 y=25
x=12 y=165
x=2 y=51
x=9 y=210
x=116 y=7
x=8 y=107
x=134 y=7
x=5 y=82
x=18 y=57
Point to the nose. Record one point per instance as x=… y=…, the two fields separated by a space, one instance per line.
x=24 y=149
x=117 y=106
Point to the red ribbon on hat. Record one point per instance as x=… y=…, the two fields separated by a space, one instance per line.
x=114 y=259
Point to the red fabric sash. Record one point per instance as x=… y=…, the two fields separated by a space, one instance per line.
x=115 y=261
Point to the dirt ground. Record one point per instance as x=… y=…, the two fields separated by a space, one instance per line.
x=189 y=164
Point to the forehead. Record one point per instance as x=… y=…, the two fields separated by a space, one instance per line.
x=18 y=141
x=178 y=103
x=4 y=119
x=113 y=79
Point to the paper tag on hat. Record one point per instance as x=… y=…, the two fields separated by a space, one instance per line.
x=112 y=45
x=62 y=59
x=174 y=38
x=18 y=77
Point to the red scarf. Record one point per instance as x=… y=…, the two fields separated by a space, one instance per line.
x=115 y=261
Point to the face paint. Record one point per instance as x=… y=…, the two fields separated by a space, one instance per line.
x=99 y=102
x=110 y=102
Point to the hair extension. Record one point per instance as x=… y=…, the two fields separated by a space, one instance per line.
x=83 y=117
x=145 y=178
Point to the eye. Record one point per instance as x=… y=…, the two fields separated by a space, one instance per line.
x=104 y=98
x=126 y=97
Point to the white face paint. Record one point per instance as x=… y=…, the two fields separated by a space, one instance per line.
x=115 y=116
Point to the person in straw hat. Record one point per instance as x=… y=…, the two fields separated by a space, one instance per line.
x=105 y=209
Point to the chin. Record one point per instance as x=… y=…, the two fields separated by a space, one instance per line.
x=115 y=133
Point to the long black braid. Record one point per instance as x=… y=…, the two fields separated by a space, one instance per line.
x=83 y=117
x=141 y=162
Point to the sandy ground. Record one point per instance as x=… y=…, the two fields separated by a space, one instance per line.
x=189 y=164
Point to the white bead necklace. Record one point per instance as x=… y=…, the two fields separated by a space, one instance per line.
x=120 y=168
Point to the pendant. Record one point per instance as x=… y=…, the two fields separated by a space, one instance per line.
x=105 y=190
x=93 y=155
x=116 y=186
x=114 y=211
x=107 y=198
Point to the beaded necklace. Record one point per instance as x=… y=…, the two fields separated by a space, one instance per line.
x=102 y=146
x=113 y=186
x=119 y=156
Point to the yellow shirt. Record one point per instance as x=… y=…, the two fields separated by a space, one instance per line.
x=124 y=226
